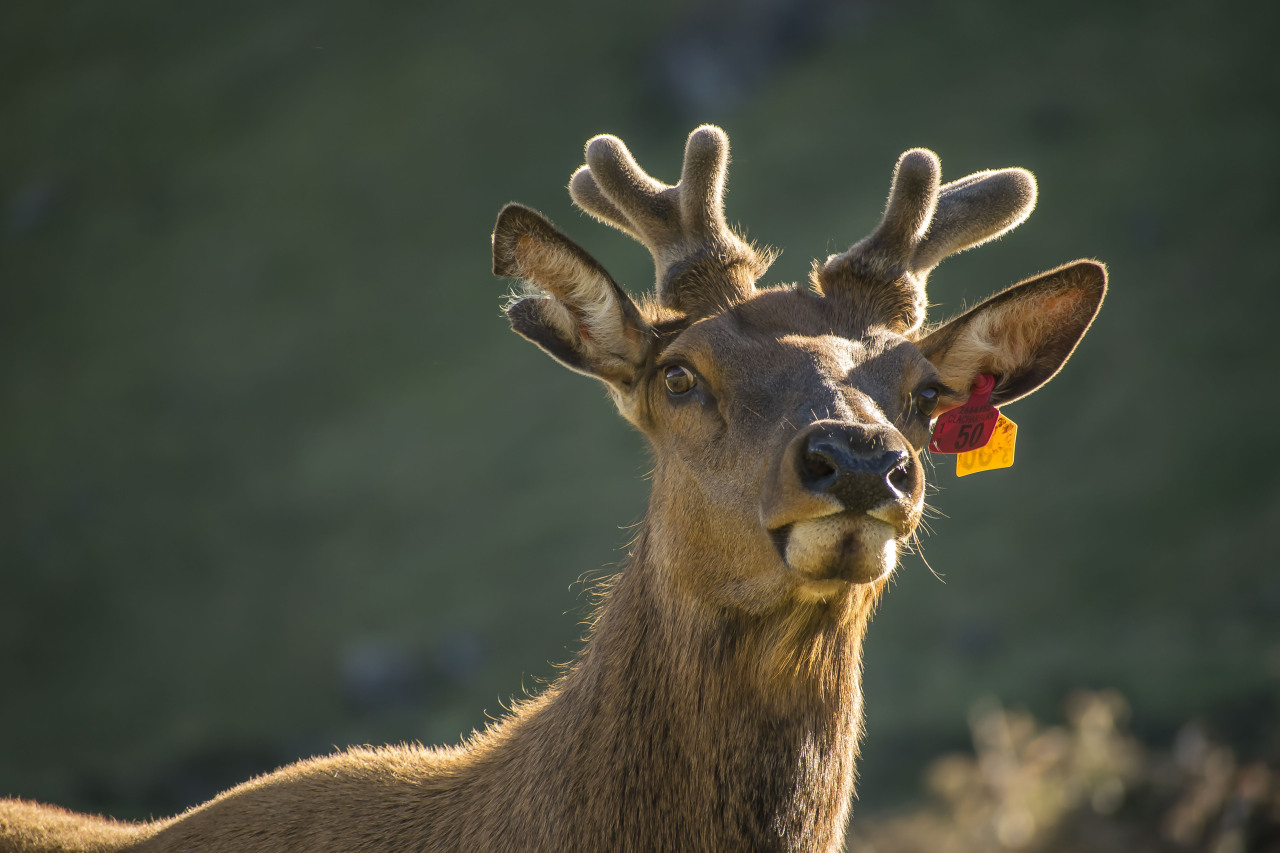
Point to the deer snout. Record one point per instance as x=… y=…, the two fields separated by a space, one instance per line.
x=857 y=471
x=838 y=467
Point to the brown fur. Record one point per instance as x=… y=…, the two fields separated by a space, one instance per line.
x=717 y=702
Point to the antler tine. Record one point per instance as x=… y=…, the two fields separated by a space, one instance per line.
x=586 y=193
x=702 y=177
x=913 y=198
x=973 y=210
x=923 y=223
x=699 y=261
x=618 y=170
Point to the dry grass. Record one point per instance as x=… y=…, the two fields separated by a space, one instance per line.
x=1086 y=787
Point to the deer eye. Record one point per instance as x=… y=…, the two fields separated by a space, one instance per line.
x=679 y=380
x=926 y=401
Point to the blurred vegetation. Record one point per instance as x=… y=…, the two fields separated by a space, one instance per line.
x=274 y=475
x=1085 y=787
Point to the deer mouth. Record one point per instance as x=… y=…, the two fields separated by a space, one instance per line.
x=827 y=553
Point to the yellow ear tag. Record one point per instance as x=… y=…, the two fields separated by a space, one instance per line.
x=996 y=453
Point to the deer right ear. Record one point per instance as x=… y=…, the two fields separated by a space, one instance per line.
x=578 y=314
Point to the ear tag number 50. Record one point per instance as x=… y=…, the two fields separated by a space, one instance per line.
x=982 y=438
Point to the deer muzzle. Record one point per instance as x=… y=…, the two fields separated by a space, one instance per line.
x=841 y=497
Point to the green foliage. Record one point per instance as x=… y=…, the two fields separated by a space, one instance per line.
x=264 y=430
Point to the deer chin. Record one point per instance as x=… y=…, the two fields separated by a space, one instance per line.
x=832 y=552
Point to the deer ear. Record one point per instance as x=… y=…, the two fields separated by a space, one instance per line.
x=577 y=313
x=1021 y=336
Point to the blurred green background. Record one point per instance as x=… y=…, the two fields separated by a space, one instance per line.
x=275 y=476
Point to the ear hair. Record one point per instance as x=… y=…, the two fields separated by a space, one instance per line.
x=546 y=322
x=578 y=314
x=1023 y=335
x=527 y=246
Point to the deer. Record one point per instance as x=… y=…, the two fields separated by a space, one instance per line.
x=716 y=701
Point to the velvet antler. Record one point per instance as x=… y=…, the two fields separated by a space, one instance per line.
x=700 y=263
x=922 y=224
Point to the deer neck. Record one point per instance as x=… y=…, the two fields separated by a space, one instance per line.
x=726 y=730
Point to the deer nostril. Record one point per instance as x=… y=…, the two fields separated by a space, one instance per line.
x=900 y=476
x=817 y=467
x=823 y=462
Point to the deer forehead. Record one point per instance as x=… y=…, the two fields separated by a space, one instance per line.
x=772 y=360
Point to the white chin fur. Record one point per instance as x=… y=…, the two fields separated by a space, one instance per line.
x=837 y=549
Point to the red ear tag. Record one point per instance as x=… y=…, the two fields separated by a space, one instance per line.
x=970 y=426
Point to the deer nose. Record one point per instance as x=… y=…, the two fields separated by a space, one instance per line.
x=855 y=468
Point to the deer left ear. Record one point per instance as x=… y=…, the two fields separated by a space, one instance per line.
x=1021 y=336
x=578 y=314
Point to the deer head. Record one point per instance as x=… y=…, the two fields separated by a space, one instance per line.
x=787 y=422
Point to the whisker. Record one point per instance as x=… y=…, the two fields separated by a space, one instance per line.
x=919 y=550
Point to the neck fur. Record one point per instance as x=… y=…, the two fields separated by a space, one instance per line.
x=694 y=728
